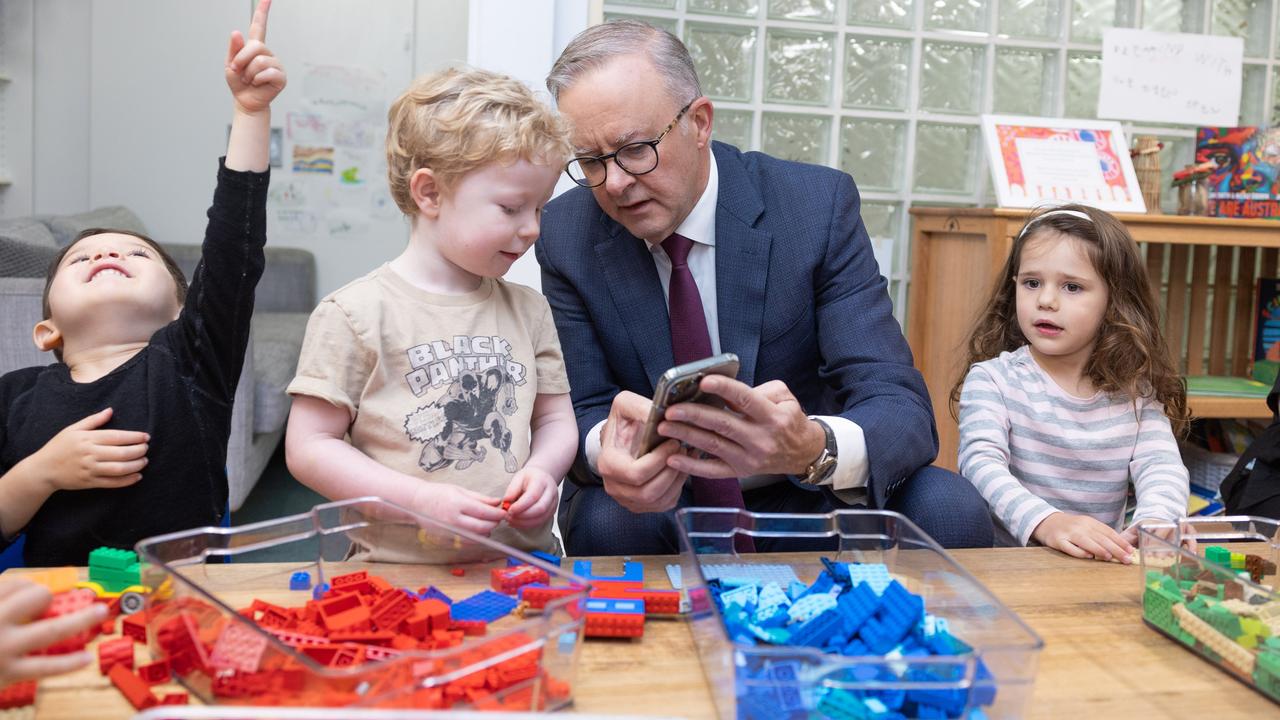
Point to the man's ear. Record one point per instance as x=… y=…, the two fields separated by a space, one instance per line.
x=703 y=113
x=425 y=191
x=46 y=336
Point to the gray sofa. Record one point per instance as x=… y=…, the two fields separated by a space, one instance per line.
x=285 y=298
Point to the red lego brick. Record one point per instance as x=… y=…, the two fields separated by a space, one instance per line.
x=426 y=617
x=364 y=638
x=175 y=698
x=19 y=694
x=343 y=612
x=238 y=648
x=538 y=597
x=134 y=626
x=115 y=652
x=613 y=625
x=470 y=627
x=356 y=582
x=509 y=580
x=64 y=603
x=154 y=673
x=458 y=572
x=392 y=607
x=132 y=687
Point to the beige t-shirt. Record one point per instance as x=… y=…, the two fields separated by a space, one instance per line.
x=439 y=387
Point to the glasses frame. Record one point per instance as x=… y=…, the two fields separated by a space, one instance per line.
x=603 y=159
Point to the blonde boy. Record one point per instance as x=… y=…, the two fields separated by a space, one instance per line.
x=448 y=380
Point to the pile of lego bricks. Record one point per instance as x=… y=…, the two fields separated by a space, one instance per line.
x=616 y=606
x=365 y=630
x=1209 y=608
x=854 y=610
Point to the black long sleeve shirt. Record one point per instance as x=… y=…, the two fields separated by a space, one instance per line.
x=179 y=389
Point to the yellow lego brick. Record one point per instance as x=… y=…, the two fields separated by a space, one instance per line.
x=1237 y=561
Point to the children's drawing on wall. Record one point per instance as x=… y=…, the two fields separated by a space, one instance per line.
x=352 y=167
x=358 y=135
x=308 y=128
x=312 y=159
x=296 y=220
x=345 y=92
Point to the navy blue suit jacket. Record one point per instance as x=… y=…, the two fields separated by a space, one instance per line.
x=799 y=299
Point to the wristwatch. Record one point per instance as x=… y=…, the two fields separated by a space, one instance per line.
x=825 y=464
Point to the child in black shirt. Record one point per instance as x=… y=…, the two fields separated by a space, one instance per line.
x=126 y=436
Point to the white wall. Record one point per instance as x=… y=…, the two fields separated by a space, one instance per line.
x=127 y=104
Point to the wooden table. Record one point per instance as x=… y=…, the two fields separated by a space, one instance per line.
x=1100 y=661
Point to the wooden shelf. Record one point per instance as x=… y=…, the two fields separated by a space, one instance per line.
x=1207 y=406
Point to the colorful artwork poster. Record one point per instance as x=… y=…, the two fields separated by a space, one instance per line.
x=317 y=160
x=1036 y=162
x=1266 y=330
x=1246 y=182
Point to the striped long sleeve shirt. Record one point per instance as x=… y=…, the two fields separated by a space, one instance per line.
x=1032 y=449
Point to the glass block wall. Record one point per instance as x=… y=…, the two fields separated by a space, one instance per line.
x=891 y=90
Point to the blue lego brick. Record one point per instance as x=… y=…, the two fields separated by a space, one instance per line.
x=631 y=571
x=821 y=586
x=838 y=571
x=433 y=592
x=486 y=605
x=784 y=679
x=318 y=591
x=610 y=605
x=546 y=557
x=899 y=613
x=856 y=606
x=300 y=581
x=512 y=562
x=874 y=573
x=741 y=573
x=817 y=631
x=744 y=596
x=796 y=589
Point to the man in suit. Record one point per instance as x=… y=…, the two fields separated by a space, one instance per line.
x=676 y=248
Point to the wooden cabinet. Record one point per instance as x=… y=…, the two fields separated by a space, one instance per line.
x=1206 y=270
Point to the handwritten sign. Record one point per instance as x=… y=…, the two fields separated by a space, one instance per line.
x=1171 y=77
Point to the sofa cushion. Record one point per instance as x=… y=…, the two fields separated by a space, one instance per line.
x=277 y=341
x=25 y=260
x=27 y=230
x=65 y=228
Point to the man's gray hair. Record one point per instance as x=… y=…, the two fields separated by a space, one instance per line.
x=597 y=45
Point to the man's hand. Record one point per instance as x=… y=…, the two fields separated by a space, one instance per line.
x=643 y=484
x=1083 y=537
x=82 y=457
x=764 y=431
x=254 y=75
x=532 y=496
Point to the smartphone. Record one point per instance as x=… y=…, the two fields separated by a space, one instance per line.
x=680 y=384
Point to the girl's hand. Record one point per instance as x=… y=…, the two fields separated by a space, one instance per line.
x=254 y=75
x=533 y=495
x=83 y=457
x=459 y=507
x=21 y=601
x=1083 y=537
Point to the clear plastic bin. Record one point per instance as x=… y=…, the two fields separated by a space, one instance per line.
x=518 y=664
x=1209 y=584
x=1001 y=642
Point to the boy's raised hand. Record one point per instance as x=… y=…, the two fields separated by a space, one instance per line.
x=82 y=456
x=532 y=496
x=21 y=601
x=254 y=75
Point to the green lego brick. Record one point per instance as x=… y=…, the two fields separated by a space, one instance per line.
x=1266 y=674
x=113 y=580
x=1218 y=554
x=1157 y=607
x=114 y=558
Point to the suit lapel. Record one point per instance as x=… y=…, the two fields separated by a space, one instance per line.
x=628 y=269
x=742 y=262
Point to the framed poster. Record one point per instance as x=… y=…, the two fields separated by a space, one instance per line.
x=1038 y=161
x=1246 y=180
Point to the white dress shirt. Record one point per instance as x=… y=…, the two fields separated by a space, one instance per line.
x=849 y=481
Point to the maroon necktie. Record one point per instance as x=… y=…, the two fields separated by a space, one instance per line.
x=690 y=341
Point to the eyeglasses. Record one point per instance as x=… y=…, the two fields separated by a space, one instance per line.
x=637 y=158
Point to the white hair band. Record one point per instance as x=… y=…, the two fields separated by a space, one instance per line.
x=1051 y=213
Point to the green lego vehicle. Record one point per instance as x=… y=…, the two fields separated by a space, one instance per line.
x=115 y=573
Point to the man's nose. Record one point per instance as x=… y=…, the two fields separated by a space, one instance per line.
x=617 y=180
